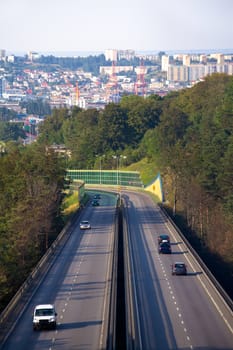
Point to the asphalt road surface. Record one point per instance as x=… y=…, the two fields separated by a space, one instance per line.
x=78 y=284
x=174 y=312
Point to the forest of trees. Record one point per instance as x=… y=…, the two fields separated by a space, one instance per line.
x=36 y=106
x=31 y=183
x=194 y=147
x=187 y=134
x=119 y=128
x=90 y=63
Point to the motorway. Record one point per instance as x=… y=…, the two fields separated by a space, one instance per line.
x=78 y=284
x=173 y=312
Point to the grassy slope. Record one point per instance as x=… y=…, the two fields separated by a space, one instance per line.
x=147 y=170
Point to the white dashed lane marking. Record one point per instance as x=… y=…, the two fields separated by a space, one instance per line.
x=69 y=294
x=174 y=301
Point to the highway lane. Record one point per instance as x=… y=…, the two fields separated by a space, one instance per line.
x=78 y=284
x=175 y=312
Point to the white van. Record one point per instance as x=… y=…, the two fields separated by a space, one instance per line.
x=44 y=316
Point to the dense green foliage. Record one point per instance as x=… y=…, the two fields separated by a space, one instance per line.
x=118 y=129
x=194 y=145
x=11 y=131
x=37 y=106
x=6 y=114
x=31 y=181
x=88 y=64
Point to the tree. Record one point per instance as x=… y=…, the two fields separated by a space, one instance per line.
x=11 y=131
x=80 y=133
x=113 y=128
x=38 y=107
x=50 y=131
x=31 y=181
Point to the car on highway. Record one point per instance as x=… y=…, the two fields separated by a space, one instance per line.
x=97 y=196
x=164 y=247
x=163 y=237
x=44 y=316
x=85 y=225
x=179 y=268
x=95 y=203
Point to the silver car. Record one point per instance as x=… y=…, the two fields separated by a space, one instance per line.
x=85 y=225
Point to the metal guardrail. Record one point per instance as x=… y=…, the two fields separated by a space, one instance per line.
x=11 y=314
x=209 y=274
x=133 y=337
x=111 y=336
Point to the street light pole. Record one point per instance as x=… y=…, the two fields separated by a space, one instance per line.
x=117 y=167
x=101 y=168
x=121 y=157
x=118 y=164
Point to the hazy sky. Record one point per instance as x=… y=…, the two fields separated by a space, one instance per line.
x=96 y=25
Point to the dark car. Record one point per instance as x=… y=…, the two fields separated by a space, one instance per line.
x=95 y=203
x=179 y=268
x=164 y=248
x=97 y=196
x=163 y=237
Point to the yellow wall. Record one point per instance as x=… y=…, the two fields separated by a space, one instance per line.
x=156 y=187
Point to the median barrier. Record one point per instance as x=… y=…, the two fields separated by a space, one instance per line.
x=133 y=334
x=112 y=301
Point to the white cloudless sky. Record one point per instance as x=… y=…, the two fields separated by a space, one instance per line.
x=97 y=25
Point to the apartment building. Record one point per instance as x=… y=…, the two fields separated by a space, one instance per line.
x=109 y=70
x=186 y=60
x=111 y=55
x=2 y=54
x=203 y=59
x=219 y=57
x=230 y=69
x=126 y=54
x=178 y=73
x=165 y=60
x=2 y=86
x=196 y=72
x=33 y=55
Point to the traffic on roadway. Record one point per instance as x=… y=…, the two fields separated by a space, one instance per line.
x=77 y=285
x=175 y=304
x=170 y=299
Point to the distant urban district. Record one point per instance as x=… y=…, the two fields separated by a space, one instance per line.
x=94 y=81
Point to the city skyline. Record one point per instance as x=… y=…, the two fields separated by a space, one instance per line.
x=72 y=25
